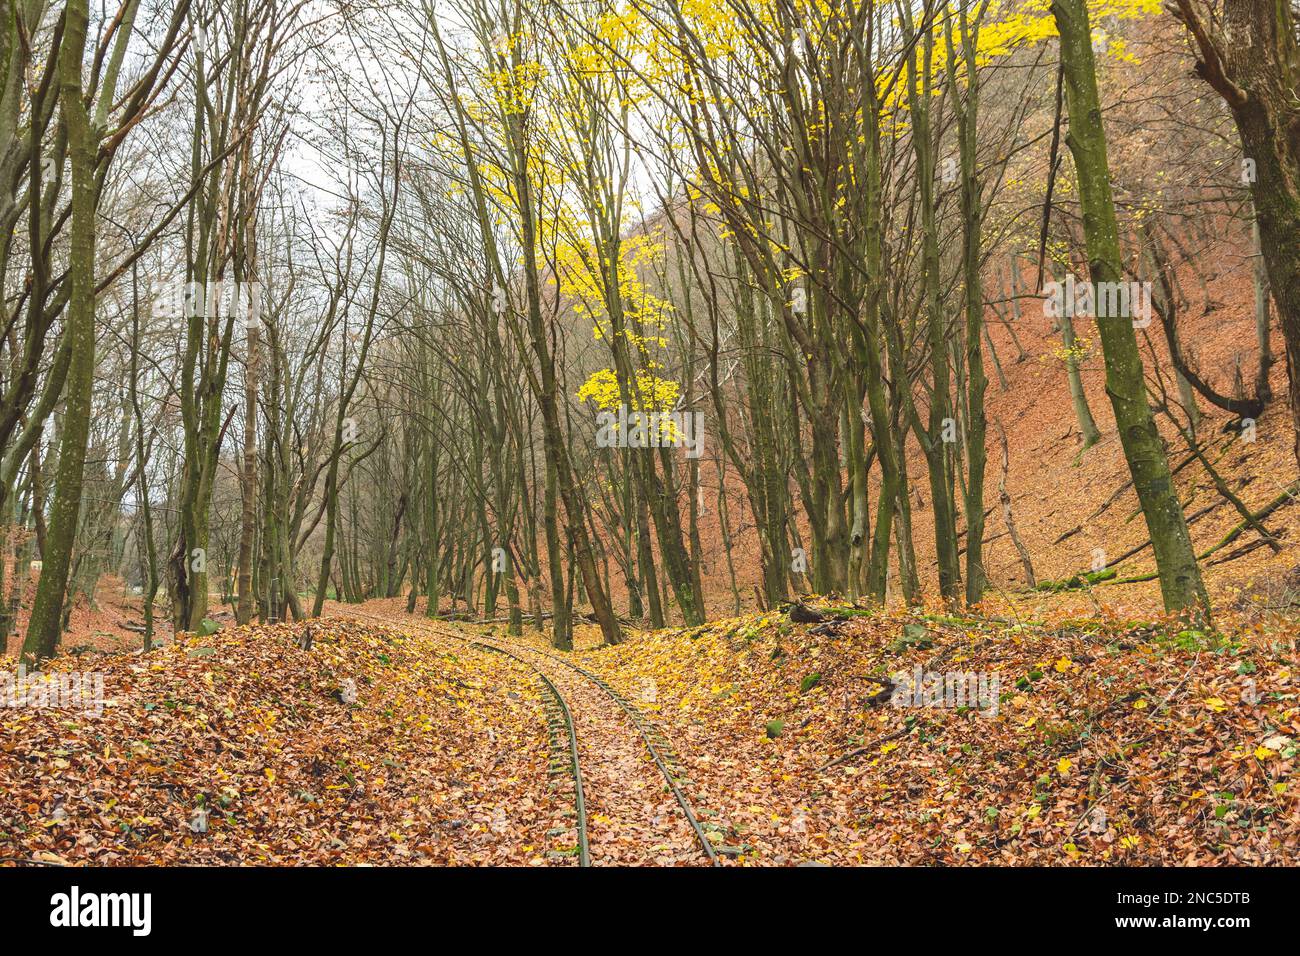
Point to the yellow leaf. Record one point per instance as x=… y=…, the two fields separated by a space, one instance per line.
x=1063 y=767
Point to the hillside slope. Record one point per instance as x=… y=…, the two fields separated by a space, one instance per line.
x=1076 y=509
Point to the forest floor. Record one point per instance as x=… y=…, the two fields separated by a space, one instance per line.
x=391 y=740
x=1116 y=739
x=112 y=624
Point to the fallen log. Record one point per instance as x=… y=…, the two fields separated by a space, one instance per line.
x=1288 y=495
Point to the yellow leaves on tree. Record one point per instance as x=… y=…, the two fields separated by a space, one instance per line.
x=652 y=393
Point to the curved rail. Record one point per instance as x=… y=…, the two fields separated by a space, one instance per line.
x=648 y=733
x=654 y=740
x=579 y=798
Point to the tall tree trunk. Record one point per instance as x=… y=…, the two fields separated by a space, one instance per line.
x=1180 y=577
x=1254 y=64
x=940 y=427
x=248 y=486
x=47 y=610
x=149 y=549
x=977 y=382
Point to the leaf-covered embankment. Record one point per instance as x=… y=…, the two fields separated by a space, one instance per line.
x=242 y=747
x=1112 y=743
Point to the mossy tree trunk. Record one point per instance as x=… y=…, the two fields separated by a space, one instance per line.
x=1250 y=56
x=1180 y=577
x=938 y=460
x=79 y=334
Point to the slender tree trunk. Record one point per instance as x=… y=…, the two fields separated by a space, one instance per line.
x=1078 y=397
x=44 y=626
x=977 y=382
x=1004 y=497
x=248 y=487
x=941 y=428
x=1263 y=388
x=432 y=531
x=1180 y=577
x=149 y=549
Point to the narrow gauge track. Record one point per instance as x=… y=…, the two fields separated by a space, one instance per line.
x=561 y=717
x=656 y=744
x=564 y=717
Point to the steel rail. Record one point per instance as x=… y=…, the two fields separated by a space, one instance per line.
x=643 y=726
x=579 y=798
x=579 y=795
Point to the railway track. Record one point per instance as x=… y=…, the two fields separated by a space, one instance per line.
x=656 y=744
x=559 y=717
x=561 y=725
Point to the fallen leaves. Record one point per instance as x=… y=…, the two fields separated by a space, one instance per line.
x=1109 y=744
x=1101 y=735
x=245 y=754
